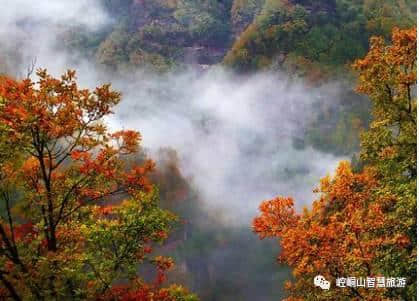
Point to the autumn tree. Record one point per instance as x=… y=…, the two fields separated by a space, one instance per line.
x=76 y=220
x=331 y=239
x=388 y=78
x=363 y=224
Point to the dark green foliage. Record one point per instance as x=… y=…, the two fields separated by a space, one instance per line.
x=160 y=33
x=164 y=33
x=243 y=12
x=329 y=32
x=337 y=128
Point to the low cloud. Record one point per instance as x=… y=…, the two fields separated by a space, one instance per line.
x=233 y=134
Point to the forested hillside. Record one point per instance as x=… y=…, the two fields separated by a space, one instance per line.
x=244 y=34
x=131 y=167
x=315 y=33
x=314 y=40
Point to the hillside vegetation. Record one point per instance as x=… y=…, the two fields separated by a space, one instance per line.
x=303 y=35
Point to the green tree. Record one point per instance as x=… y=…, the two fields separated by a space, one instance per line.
x=388 y=77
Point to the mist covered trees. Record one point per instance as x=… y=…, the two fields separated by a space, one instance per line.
x=364 y=223
x=80 y=215
x=76 y=220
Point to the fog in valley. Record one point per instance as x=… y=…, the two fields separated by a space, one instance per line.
x=235 y=136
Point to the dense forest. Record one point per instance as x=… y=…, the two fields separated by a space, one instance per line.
x=170 y=149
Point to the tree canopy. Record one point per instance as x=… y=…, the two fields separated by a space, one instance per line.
x=77 y=220
x=364 y=223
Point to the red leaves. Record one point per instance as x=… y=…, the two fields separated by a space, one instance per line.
x=80 y=155
x=163 y=264
x=402 y=241
x=56 y=107
x=127 y=141
x=162 y=234
x=72 y=183
x=107 y=163
x=136 y=177
x=25 y=231
x=160 y=278
x=139 y=291
x=105 y=210
x=276 y=215
x=335 y=233
x=143 y=293
x=16 y=95
x=105 y=99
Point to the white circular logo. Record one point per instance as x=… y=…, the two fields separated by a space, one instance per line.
x=320 y=281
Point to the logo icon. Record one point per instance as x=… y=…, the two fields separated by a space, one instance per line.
x=320 y=281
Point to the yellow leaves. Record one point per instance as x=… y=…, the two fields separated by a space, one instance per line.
x=388 y=152
x=8 y=172
x=324 y=184
x=344 y=169
x=388 y=66
x=30 y=167
x=164 y=263
x=288 y=286
x=293 y=299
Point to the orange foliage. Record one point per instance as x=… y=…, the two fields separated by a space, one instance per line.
x=70 y=215
x=363 y=224
x=335 y=239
